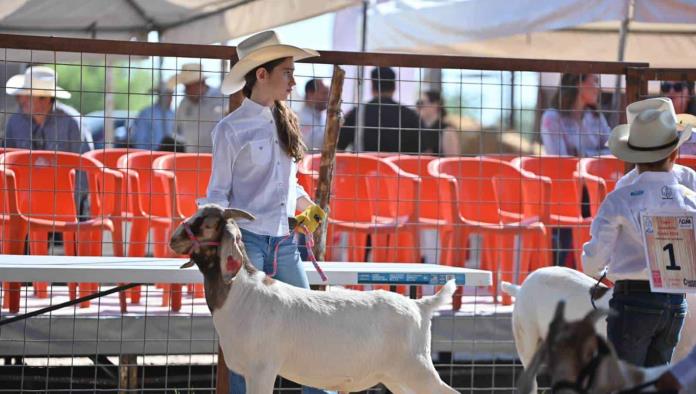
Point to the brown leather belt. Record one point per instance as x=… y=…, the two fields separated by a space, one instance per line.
x=632 y=286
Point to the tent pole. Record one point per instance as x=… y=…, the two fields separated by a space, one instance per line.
x=357 y=142
x=623 y=32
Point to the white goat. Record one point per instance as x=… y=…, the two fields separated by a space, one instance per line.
x=578 y=360
x=339 y=340
x=538 y=296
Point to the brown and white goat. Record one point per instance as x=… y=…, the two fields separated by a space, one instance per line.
x=580 y=361
x=338 y=340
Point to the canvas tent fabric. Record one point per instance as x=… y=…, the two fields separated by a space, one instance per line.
x=660 y=32
x=183 y=21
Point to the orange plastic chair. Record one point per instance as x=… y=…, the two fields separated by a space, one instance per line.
x=370 y=196
x=599 y=176
x=433 y=215
x=185 y=177
x=149 y=210
x=687 y=160
x=40 y=192
x=566 y=196
x=110 y=157
x=476 y=190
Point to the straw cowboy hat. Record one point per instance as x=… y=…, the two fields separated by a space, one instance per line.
x=190 y=72
x=36 y=81
x=653 y=131
x=256 y=50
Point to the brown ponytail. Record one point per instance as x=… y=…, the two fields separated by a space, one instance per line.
x=286 y=121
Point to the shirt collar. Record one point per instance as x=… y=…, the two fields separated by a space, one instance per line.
x=254 y=108
x=655 y=176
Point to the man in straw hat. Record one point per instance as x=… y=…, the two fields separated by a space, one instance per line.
x=40 y=124
x=646 y=325
x=255 y=153
x=199 y=111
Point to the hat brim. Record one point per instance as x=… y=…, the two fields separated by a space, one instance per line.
x=15 y=86
x=618 y=144
x=234 y=80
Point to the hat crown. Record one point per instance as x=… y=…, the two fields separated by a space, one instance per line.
x=657 y=103
x=653 y=128
x=256 y=42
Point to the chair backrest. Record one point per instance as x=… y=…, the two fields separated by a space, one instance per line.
x=365 y=186
x=45 y=182
x=566 y=191
x=608 y=168
x=191 y=174
x=486 y=187
x=431 y=193
x=687 y=160
x=148 y=192
x=109 y=157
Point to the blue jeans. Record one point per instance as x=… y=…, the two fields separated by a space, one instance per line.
x=646 y=326
x=261 y=251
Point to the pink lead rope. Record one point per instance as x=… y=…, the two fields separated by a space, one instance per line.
x=309 y=243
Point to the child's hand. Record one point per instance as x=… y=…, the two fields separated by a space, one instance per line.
x=311 y=218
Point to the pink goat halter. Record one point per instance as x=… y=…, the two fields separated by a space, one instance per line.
x=196 y=243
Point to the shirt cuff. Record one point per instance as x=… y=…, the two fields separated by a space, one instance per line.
x=203 y=201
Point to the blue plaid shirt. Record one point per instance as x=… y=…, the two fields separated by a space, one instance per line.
x=60 y=132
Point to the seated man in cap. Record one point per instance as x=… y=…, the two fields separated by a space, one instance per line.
x=646 y=325
x=199 y=111
x=153 y=123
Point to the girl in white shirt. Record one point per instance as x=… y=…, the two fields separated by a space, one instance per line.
x=255 y=151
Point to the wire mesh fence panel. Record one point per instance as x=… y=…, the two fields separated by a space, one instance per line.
x=490 y=164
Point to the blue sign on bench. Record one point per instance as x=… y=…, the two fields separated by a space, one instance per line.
x=408 y=279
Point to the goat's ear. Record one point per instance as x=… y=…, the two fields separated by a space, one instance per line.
x=234 y=213
x=526 y=381
x=558 y=319
x=230 y=256
x=595 y=315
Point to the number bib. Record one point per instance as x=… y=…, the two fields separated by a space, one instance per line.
x=670 y=250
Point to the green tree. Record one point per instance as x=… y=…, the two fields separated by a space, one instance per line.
x=130 y=86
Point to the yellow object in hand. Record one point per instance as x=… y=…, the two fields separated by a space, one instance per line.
x=311 y=218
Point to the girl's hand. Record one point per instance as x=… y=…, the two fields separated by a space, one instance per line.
x=311 y=218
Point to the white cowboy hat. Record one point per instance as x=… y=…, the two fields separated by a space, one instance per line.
x=256 y=50
x=653 y=132
x=190 y=72
x=36 y=81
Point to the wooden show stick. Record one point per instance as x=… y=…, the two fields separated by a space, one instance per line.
x=328 y=156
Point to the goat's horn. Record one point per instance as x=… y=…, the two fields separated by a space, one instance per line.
x=596 y=314
x=528 y=377
x=557 y=319
x=187 y=264
x=234 y=213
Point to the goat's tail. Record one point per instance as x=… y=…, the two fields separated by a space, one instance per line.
x=510 y=288
x=429 y=304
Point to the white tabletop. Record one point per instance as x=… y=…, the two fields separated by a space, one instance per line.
x=151 y=270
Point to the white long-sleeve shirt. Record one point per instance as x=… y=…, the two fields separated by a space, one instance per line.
x=617 y=241
x=685 y=176
x=251 y=171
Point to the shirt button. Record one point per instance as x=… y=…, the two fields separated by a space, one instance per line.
x=282 y=204
x=278 y=163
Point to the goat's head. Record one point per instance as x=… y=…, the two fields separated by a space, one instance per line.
x=572 y=353
x=213 y=240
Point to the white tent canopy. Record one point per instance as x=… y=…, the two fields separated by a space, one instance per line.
x=185 y=21
x=660 y=32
